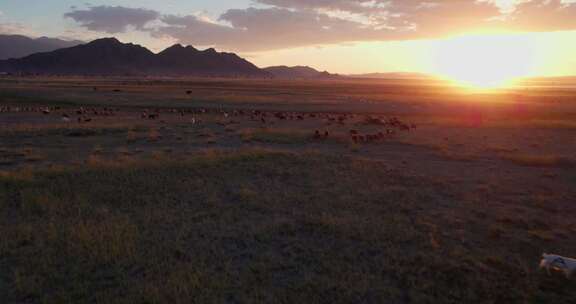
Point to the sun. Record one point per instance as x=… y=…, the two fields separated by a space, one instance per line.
x=484 y=61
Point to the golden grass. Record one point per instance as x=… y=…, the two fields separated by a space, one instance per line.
x=540 y=160
x=566 y=122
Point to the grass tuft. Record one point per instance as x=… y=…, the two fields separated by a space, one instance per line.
x=541 y=160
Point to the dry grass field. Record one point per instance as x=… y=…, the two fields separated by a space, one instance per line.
x=247 y=191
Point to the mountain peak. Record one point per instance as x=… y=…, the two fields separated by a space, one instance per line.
x=177 y=46
x=109 y=39
x=178 y=49
x=105 y=41
x=114 y=45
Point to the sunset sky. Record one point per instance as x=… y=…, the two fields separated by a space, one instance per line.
x=529 y=37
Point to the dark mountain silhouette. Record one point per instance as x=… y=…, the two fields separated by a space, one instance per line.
x=180 y=60
x=298 y=72
x=16 y=46
x=104 y=56
x=108 y=56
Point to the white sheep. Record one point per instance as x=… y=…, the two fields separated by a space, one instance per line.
x=556 y=262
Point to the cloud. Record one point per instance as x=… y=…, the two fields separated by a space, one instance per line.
x=10 y=28
x=193 y=28
x=13 y=28
x=113 y=19
x=551 y=15
x=277 y=24
x=438 y=18
x=255 y=29
x=295 y=23
x=434 y=17
x=369 y=7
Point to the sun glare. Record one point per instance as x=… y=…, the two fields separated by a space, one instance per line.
x=484 y=61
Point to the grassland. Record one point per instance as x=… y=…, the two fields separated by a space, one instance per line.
x=279 y=227
x=231 y=210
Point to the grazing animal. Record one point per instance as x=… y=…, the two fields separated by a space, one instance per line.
x=556 y=262
x=317 y=134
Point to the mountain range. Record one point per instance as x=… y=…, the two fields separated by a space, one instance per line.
x=108 y=56
x=17 y=46
x=298 y=72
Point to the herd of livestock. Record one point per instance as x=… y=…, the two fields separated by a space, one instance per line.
x=386 y=126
